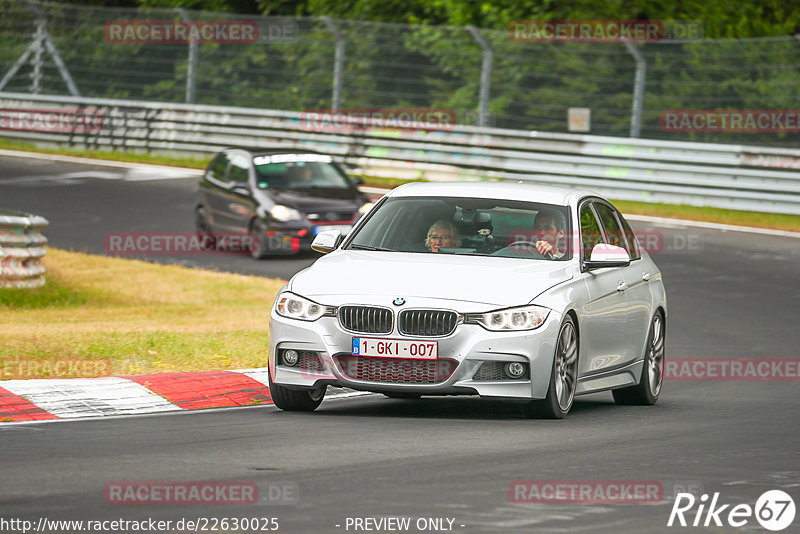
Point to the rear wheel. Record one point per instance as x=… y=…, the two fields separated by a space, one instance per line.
x=563 y=378
x=647 y=391
x=291 y=400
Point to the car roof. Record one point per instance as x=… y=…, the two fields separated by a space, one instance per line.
x=261 y=151
x=530 y=192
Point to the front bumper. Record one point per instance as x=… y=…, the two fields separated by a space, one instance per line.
x=290 y=238
x=468 y=347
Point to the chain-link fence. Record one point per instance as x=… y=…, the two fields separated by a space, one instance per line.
x=485 y=76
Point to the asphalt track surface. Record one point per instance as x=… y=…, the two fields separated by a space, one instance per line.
x=731 y=294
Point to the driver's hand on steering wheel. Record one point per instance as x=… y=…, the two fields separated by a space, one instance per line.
x=545 y=249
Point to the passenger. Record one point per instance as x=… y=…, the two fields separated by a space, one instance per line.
x=549 y=229
x=443 y=234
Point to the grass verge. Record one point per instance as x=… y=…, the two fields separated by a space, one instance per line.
x=100 y=316
x=773 y=221
x=129 y=157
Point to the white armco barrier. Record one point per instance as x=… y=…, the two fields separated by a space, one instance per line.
x=700 y=174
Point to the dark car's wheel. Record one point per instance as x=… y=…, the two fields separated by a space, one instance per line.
x=291 y=400
x=647 y=391
x=204 y=233
x=258 y=245
x=563 y=378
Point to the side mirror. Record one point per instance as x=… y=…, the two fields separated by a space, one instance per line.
x=605 y=255
x=241 y=188
x=326 y=242
x=357 y=181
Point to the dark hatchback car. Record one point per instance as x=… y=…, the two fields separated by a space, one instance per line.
x=282 y=198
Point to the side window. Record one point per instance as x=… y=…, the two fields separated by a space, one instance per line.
x=218 y=167
x=590 y=230
x=240 y=169
x=614 y=235
x=631 y=237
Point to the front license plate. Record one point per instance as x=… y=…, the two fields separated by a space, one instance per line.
x=395 y=348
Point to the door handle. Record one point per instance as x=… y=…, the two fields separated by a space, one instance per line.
x=646 y=277
x=622 y=286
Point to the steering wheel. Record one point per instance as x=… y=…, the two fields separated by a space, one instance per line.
x=531 y=246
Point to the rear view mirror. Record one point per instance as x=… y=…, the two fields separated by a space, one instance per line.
x=326 y=242
x=605 y=255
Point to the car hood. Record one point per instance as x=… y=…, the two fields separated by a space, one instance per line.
x=317 y=198
x=489 y=280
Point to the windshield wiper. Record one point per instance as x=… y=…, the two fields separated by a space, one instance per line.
x=367 y=247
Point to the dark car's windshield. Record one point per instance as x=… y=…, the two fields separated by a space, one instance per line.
x=297 y=171
x=486 y=227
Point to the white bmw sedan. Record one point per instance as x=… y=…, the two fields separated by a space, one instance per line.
x=504 y=290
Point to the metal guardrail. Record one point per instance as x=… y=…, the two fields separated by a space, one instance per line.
x=21 y=249
x=725 y=176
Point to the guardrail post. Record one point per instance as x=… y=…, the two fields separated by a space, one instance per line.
x=21 y=249
x=486 y=75
x=638 y=89
x=36 y=73
x=191 y=72
x=338 y=63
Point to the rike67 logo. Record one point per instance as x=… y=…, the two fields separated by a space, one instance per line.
x=774 y=510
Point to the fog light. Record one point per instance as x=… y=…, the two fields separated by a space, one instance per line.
x=290 y=357
x=514 y=369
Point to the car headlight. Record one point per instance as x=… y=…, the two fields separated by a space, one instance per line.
x=296 y=307
x=365 y=208
x=284 y=213
x=522 y=318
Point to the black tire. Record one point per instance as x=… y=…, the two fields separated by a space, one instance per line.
x=398 y=395
x=294 y=400
x=258 y=248
x=203 y=229
x=564 y=374
x=647 y=391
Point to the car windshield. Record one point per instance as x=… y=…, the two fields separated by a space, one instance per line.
x=467 y=226
x=298 y=171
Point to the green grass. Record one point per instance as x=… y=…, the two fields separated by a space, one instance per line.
x=717 y=215
x=776 y=221
x=130 y=157
x=134 y=317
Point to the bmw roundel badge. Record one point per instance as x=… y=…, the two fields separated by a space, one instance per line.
x=399 y=301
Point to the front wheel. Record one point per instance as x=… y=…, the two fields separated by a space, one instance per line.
x=647 y=391
x=258 y=246
x=203 y=229
x=291 y=400
x=563 y=377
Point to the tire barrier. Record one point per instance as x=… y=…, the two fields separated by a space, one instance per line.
x=21 y=249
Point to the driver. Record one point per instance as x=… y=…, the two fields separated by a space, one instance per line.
x=442 y=233
x=303 y=173
x=549 y=229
